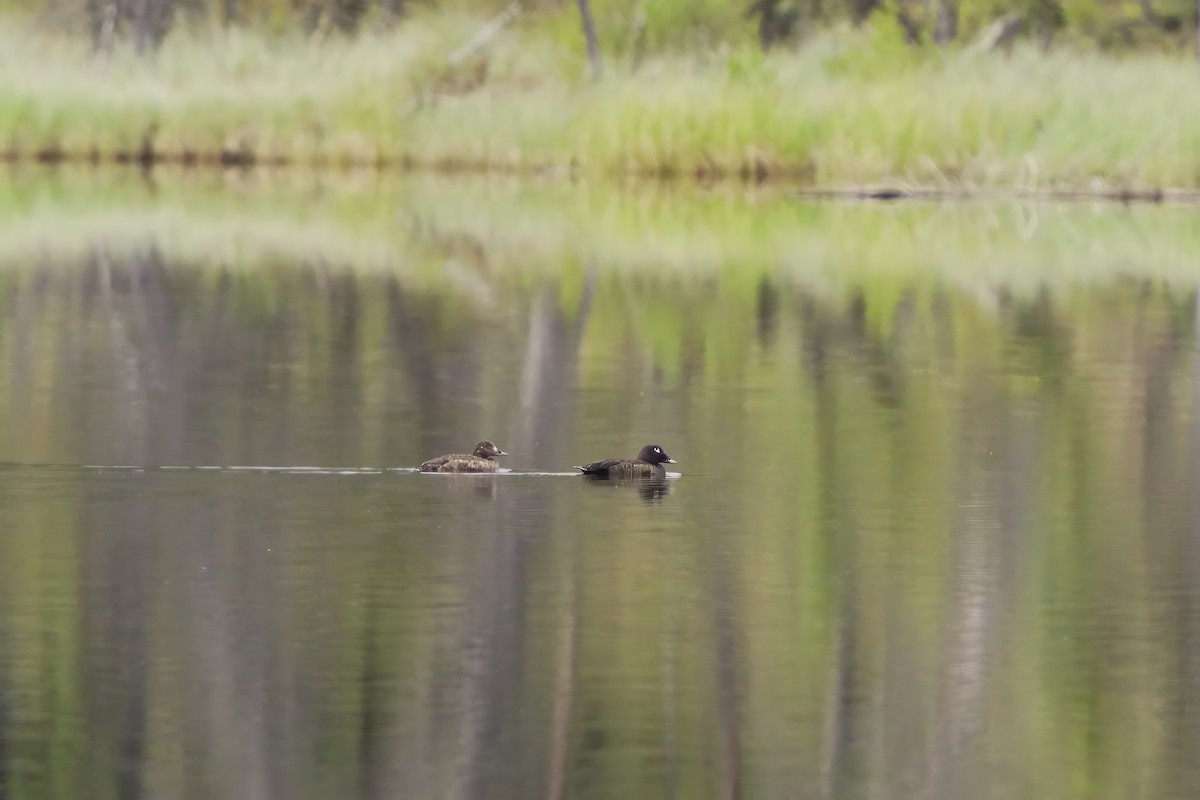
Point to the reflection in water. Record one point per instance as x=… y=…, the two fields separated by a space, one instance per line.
x=649 y=489
x=480 y=484
x=927 y=542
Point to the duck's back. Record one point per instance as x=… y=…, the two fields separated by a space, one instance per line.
x=623 y=468
x=459 y=462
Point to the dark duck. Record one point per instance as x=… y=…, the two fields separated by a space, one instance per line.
x=648 y=464
x=480 y=460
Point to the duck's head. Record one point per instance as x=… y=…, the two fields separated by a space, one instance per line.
x=653 y=454
x=486 y=449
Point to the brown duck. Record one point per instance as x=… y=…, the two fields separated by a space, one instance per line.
x=648 y=464
x=480 y=460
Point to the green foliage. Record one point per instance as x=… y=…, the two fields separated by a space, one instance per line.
x=629 y=30
x=748 y=67
x=881 y=53
x=685 y=25
x=655 y=26
x=849 y=108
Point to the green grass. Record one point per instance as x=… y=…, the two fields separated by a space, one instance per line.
x=849 y=109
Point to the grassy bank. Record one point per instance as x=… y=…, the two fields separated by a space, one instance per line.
x=851 y=109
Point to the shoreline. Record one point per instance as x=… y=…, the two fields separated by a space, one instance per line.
x=885 y=191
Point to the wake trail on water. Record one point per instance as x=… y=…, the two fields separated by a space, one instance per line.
x=298 y=470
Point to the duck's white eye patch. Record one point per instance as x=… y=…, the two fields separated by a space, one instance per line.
x=657 y=450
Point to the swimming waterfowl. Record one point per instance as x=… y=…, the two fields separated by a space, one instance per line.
x=480 y=460
x=648 y=464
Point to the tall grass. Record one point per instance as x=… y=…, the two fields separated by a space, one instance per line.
x=852 y=108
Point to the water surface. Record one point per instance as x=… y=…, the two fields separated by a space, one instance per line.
x=935 y=532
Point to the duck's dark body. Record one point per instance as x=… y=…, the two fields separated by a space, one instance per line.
x=648 y=464
x=623 y=468
x=478 y=461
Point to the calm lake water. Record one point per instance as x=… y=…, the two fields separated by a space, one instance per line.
x=932 y=537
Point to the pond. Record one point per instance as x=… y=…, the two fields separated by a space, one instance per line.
x=934 y=534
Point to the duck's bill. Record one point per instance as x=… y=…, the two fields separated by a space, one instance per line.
x=501 y=453
x=671 y=461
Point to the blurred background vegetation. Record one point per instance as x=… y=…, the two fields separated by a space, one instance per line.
x=966 y=95
x=650 y=26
